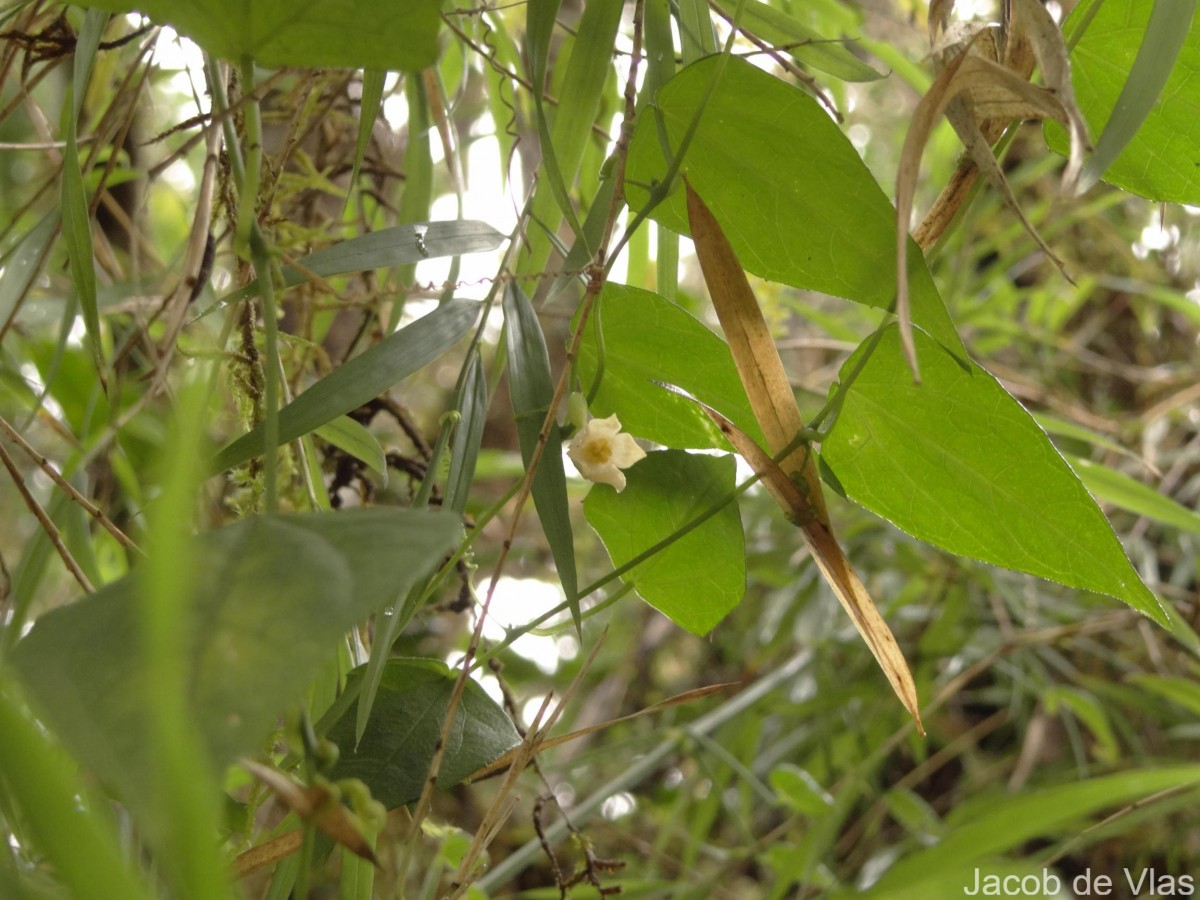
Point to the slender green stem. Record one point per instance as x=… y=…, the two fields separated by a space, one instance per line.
x=266 y=283
x=248 y=184
x=250 y=238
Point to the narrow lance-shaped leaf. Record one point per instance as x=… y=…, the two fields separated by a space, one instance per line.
x=991 y=826
x=391 y=621
x=696 y=30
x=541 y=16
x=417 y=199
x=564 y=140
x=398 y=246
x=360 y=379
x=754 y=352
x=464 y=451
x=832 y=561
x=1120 y=490
x=368 y=109
x=532 y=390
x=77 y=226
x=794 y=481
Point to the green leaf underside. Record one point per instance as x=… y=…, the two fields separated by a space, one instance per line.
x=305 y=33
x=360 y=379
x=996 y=824
x=647 y=338
x=798 y=204
x=274 y=596
x=698 y=579
x=1161 y=162
x=395 y=751
x=957 y=462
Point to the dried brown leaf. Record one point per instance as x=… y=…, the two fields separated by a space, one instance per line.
x=939 y=18
x=753 y=348
x=794 y=481
x=973 y=89
x=832 y=562
x=1054 y=61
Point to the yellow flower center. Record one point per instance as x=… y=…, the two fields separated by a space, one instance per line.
x=598 y=452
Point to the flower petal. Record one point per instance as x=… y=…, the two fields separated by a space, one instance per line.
x=603 y=427
x=607 y=475
x=625 y=451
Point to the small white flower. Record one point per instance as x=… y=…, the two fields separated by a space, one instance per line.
x=600 y=451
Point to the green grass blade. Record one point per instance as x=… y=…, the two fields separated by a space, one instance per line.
x=47 y=788
x=660 y=66
x=532 y=390
x=181 y=812
x=357 y=881
x=540 y=17
x=994 y=825
x=1064 y=428
x=1170 y=22
x=362 y=378
x=398 y=246
x=584 y=248
x=1120 y=490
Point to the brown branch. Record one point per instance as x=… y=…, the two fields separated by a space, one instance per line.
x=69 y=489
x=48 y=526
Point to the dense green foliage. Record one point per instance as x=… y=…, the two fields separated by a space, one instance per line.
x=316 y=574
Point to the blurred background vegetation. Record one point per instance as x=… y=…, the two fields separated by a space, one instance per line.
x=814 y=785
